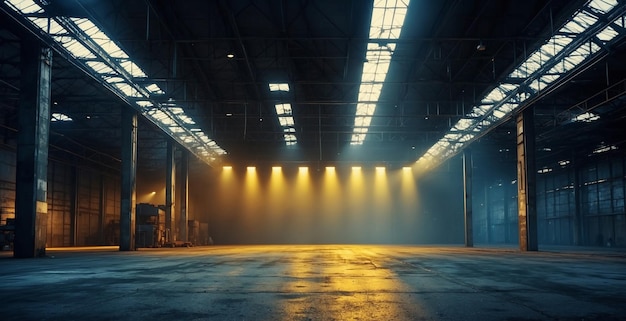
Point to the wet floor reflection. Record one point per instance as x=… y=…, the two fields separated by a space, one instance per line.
x=345 y=283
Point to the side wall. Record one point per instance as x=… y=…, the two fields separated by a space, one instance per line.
x=90 y=217
x=578 y=203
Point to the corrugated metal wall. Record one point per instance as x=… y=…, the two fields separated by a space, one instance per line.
x=577 y=204
x=89 y=217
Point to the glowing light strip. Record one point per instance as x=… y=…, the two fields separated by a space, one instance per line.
x=285 y=115
x=555 y=54
x=88 y=44
x=386 y=24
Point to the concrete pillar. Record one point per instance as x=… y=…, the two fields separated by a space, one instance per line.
x=170 y=188
x=526 y=181
x=129 y=177
x=467 y=199
x=184 y=195
x=31 y=207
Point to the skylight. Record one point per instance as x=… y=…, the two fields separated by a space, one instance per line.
x=279 y=87
x=385 y=27
x=569 y=47
x=60 y=117
x=285 y=115
x=91 y=47
x=586 y=117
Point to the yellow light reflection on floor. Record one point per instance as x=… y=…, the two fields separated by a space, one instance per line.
x=346 y=283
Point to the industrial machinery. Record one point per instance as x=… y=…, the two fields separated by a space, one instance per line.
x=7 y=234
x=150 y=226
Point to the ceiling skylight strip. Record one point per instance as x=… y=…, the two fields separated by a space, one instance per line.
x=385 y=27
x=572 y=45
x=284 y=114
x=94 y=50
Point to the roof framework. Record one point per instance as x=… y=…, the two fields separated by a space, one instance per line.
x=200 y=73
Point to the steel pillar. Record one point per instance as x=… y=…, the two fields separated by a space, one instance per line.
x=129 y=177
x=526 y=181
x=467 y=197
x=170 y=189
x=31 y=207
x=184 y=195
x=578 y=217
x=74 y=208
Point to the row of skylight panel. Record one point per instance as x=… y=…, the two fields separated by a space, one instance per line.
x=285 y=115
x=170 y=120
x=386 y=24
x=502 y=100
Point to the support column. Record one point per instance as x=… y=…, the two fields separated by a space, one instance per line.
x=505 y=206
x=129 y=177
x=31 y=207
x=526 y=181
x=488 y=213
x=184 y=194
x=467 y=200
x=170 y=188
x=578 y=217
x=101 y=211
x=74 y=208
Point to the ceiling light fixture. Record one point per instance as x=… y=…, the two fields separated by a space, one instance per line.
x=385 y=27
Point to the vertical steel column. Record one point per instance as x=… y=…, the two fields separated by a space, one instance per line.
x=170 y=175
x=129 y=176
x=31 y=207
x=507 y=230
x=101 y=211
x=526 y=181
x=74 y=208
x=488 y=213
x=184 y=194
x=467 y=199
x=578 y=217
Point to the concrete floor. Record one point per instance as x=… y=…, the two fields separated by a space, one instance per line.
x=316 y=282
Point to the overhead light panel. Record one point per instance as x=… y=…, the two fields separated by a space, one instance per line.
x=279 y=87
x=385 y=27
x=574 y=43
x=97 y=52
x=285 y=115
x=60 y=117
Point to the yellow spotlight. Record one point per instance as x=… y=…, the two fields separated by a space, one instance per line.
x=276 y=169
x=227 y=168
x=407 y=169
x=380 y=169
x=356 y=168
x=330 y=169
x=153 y=193
x=251 y=169
x=303 y=169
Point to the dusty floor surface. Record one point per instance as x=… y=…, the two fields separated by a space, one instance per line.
x=313 y=282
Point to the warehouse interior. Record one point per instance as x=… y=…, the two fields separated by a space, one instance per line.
x=274 y=88
x=358 y=159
